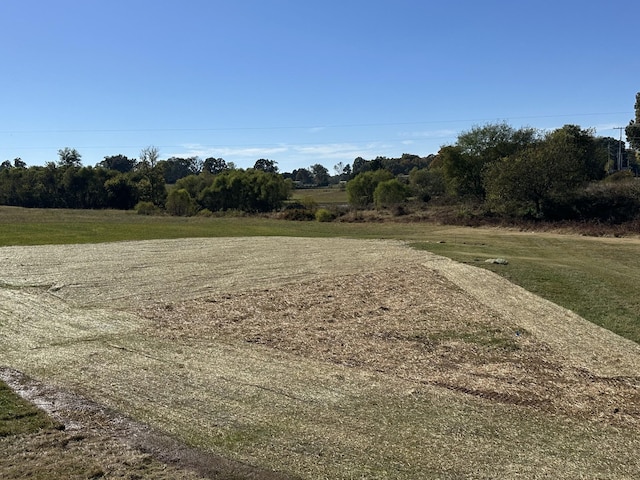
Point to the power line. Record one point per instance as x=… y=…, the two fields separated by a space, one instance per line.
x=311 y=127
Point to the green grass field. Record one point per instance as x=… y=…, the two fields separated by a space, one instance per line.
x=322 y=196
x=18 y=416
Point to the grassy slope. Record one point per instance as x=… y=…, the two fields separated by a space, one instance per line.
x=594 y=277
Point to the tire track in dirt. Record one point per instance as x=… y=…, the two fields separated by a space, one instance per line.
x=89 y=419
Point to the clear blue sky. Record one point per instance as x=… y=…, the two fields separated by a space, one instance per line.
x=303 y=81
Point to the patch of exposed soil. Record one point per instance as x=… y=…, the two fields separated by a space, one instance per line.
x=97 y=442
x=411 y=322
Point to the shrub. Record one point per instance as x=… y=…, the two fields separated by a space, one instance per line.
x=297 y=214
x=146 y=208
x=298 y=211
x=324 y=215
x=606 y=202
x=205 y=212
x=247 y=190
x=390 y=193
x=361 y=188
x=180 y=203
x=614 y=202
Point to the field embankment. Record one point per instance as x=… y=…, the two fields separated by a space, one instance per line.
x=326 y=358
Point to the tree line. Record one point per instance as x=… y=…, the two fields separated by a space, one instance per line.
x=120 y=182
x=197 y=185
x=567 y=173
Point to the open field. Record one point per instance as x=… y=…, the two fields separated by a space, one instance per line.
x=327 y=357
x=592 y=276
x=324 y=196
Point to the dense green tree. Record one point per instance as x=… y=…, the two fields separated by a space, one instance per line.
x=214 y=165
x=397 y=166
x=180 y=203
x=465 y=162
x=320 y=175
x=426 y=183
x=302 y=175
x=194 y=184
x=119 y=162
x=462 y=171
x=633 y=129
x=69 y=157
x=122 y=192
x=404 y=164
x=390 y=193
x=360 y=165
x=532 y=180
x=360 y=189
x=250 y=190
x=583 y=158
x=268 y=166
x=83 y=187
x=176 y=168
x=152 y=187
x=493 y=141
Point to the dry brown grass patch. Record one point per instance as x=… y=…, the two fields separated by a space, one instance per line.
x=411 y=322
x=326 y=358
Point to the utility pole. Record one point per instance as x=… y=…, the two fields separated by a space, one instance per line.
x=619 y=148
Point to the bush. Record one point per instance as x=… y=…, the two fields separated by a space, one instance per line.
x=247 y=190
x=298 y=211
x=205 y=212
x=427 y=183
x=606 y=202
x=361 y=188
x=146 y=208
x=390 y=193
x=180 y=203
x=297 y=214
x=324 y=215
x=615 y=202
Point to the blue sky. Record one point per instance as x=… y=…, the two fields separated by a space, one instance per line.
x=304 y=82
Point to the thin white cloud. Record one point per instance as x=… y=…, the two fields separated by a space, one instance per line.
x=609 y=130
x=292 y=156
x=341 y=151
x=230 y=152
x=431 y=134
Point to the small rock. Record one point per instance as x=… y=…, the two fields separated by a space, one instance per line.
x=497 y=261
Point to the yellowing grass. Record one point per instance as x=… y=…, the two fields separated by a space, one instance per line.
x=139 y=326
